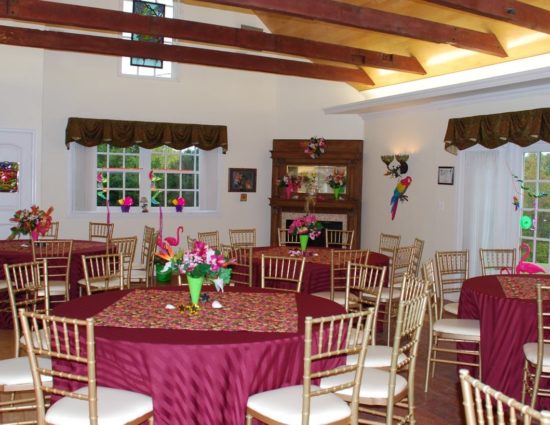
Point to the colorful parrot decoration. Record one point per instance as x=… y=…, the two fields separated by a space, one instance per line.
x=399 y=194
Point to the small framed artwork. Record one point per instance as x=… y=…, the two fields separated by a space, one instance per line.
x=446 y=175
x=242 y=180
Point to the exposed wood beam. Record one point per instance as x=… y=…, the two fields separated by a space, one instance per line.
x=117 y=47
x=111 y=20
x=511 y=11
x=376 y=20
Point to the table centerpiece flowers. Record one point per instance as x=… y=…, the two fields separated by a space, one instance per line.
x=33 y=221
x=306 y=227
x=291 y=183
x=315 y=147
x=125 y=203
x=179 y=203
x=337 y=181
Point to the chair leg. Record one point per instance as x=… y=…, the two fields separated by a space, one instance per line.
x=248 y=419
x=151 y=420
x=525 y=378
x=428 y=361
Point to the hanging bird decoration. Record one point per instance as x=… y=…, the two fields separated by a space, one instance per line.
x=399 y=194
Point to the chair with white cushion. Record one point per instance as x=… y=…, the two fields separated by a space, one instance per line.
x=58 y=253
x=537 y=354
x=102 y=273
x=127 y=248
x=388 y=244
x=452 y=271
x=384 y=391
x=148 y=232
x=485 y=405
x=73 y=341
x=497 y=261
x=100 y=231
x=143 y=272
x=418 y=245
x=445 y=334
x=307 y=403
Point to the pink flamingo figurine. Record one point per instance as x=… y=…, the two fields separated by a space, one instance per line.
x=174 y=241
x=526 y=267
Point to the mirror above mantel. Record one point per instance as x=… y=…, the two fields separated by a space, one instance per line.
x=317 y=175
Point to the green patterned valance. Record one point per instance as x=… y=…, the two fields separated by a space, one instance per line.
x=491 y=131
x=122 y=134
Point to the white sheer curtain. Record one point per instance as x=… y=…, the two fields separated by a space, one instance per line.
x=487 y=217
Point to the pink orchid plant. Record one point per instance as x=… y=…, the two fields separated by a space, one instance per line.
x=306 y=225
x=203 y=261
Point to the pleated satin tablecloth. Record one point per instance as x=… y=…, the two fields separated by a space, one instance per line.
x=196 y=376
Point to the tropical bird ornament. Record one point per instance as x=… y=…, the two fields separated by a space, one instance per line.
x=399 y=194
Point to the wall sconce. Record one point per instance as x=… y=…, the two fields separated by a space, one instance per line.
x=395 y=170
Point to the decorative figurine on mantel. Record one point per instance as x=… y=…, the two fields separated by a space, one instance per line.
x=144 y=204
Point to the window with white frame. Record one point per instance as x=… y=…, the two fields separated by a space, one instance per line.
x=146 y=67
x=536 y=205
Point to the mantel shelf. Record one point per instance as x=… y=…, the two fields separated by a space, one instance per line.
x=320 y=204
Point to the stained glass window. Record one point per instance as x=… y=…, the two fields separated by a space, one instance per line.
x=148 y=9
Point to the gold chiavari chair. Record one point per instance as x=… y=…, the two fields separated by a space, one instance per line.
x=497 y=261
x=74 y=341
x=212 y=239
x=417 y=253
x=342 y=239
x=190 y=242
x=52 y=233
x=100 y=231
x=484 y=405
x=537 y=354
x=58 y=253
x=102 y=273
x=282 y=273
x=242 y=237
x=388 y=244
x=285 y=238
x=242 y=266
x=144 y=275
x=452 y=271
x=445 y=334
x=127 y=248
x=148 y=232
x=307 y=403
x=339 y=260
x=382 y=391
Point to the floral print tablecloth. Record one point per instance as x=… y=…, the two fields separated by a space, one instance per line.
x=521 y=287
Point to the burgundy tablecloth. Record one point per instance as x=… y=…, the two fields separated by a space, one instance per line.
x=20 y=251
x=317 y=269
x=506 y=324
x=197 y=377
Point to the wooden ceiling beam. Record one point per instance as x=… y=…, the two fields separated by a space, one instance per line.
x=511 y=11
x=47 y=12
x=376 y=20
x=118 y=47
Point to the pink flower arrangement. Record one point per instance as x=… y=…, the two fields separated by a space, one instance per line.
x=127 y=201
x=204 y=261
x=305 y=225
x=315 y=147
x=337 y=179
x=178 y=202
x=33 y=221
x=290 y=180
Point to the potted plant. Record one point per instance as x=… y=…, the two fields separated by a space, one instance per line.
x=306 y=228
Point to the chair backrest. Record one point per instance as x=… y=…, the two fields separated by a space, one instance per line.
x=212 y=239
x=435 y=304
x=242 y=237
x=484 y=405
x=27 y=289
x=417 y=253
x=127 y=248
x=52 y=233
x=388 y=243
x=100 y=231
x=103 y=272
x=58 y=253
x=339 y=260
x=497 y=261
x=339 y=238
x=452 y=270
x=543 y=325
x=402 y=262
x=64 y=339
x=242 y=266
x=286 y=238
x=148 y=232
x=190 y=242
x=329 y=338
x=282 y=273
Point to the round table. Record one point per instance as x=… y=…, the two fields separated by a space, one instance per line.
x=196 y=376
x=506 y=307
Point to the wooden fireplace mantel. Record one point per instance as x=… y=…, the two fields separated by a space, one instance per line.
x=346 y=154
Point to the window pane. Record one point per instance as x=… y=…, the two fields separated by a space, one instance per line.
x=189 y=198
x=132 y=161
x=529 y=201
x=114 y=149
x=173 y=181
x=161 y=182
x=133 y=149
x=132 y=180
x=102 y=148
x=157 y=161
x=114 y=196
x=530 y=166
x=102 y=161
x=115 y=180
x=172 y=195
x=187 y=181
x=115 y=161
x=173 y=161
x=544 y=169
x=542 y=253
x=187 y=162
x=544 y=201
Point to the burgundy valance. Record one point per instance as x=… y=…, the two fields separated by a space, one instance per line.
x=92 y=132
x=491 y=131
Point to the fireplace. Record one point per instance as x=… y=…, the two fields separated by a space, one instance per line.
x=328 y=221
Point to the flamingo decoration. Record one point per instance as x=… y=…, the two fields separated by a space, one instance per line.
x=174 y=241
x=526 y=267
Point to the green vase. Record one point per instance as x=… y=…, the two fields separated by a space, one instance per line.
x=195 y=286
x=337 y=192
x=163 y=276
x=303 y=241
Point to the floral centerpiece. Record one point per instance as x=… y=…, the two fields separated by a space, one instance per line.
x=33 y=221
x=291 y=183
x=315 y=147
x=337 y=181
x=179 y=203
x=126 y=203
x=306 y=227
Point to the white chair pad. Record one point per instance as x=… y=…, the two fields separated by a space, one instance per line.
x=452 y=296
x=323 y=294
x=114 y=407
x=385 y=294
x=377 y=356
x=23 y=342
x=17 y=371
x=374 y=384
x=139 y=274
x=56 y=287
x=451 y=308
x=467 y=327
x=530 y=351
x=138 y=267
x=113 y=282
x=339 y=296
x=285 y=406
x=3 y=284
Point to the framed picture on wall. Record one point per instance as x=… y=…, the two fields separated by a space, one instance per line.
x=446 y=175
x=242 y=180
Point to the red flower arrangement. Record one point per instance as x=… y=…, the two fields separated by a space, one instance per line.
x=33 y=221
